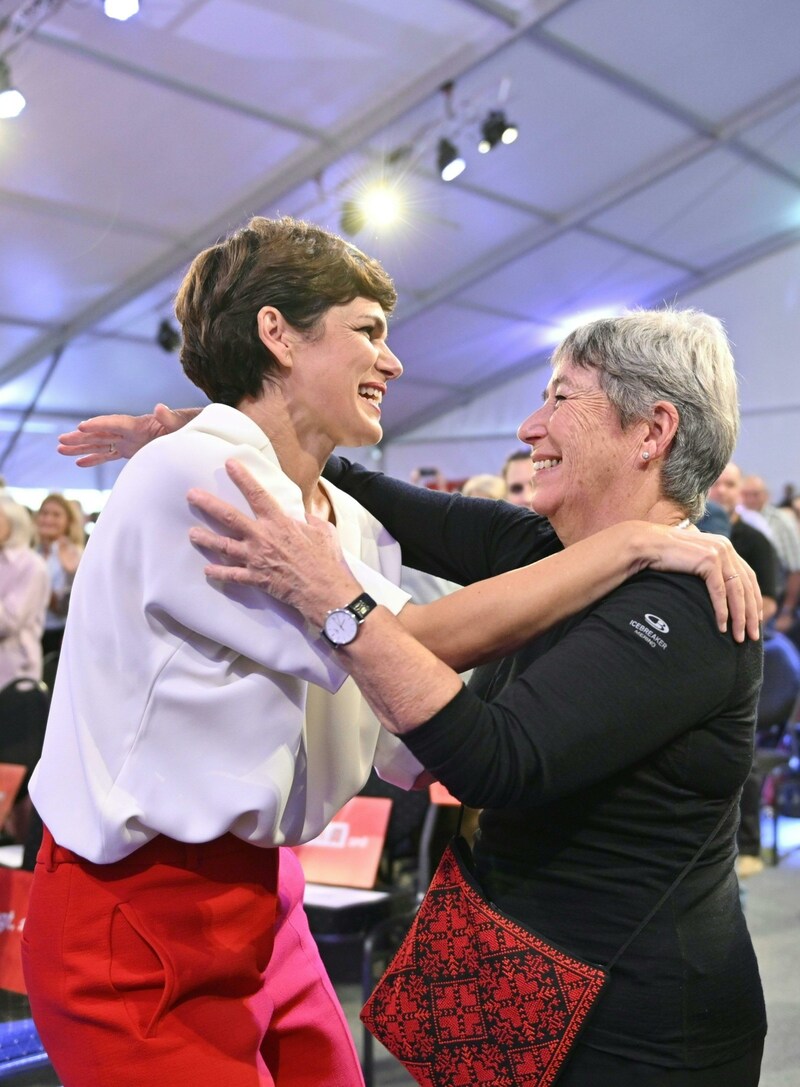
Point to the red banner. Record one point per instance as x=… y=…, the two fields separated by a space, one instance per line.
x=348 y=851
x=15 y=887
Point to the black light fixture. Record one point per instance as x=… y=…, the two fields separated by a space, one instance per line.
x=449 y=161
x=168 y=338
x=352 y=219
x=496 y=129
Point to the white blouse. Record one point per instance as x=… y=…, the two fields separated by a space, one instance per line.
x=190 y=709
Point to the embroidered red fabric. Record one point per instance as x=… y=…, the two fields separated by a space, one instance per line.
x=472 y=998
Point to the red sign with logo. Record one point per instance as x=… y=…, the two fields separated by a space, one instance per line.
x=348 y=851
x=15 y=886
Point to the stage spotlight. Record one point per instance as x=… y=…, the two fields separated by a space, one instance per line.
x=168 y=338
x=496 y=129
x=449 y=161
x=121 y=10
x=12 y=102
x=381 y=205
x=378 y=205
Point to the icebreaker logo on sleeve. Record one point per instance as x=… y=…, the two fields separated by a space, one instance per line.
x=651 y=631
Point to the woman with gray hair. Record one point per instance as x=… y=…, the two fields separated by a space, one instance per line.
x=24 y=592
x=610 y=751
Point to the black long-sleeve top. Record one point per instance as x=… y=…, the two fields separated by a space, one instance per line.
x=603 y=754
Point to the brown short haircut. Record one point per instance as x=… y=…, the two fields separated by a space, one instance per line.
x=297 y=267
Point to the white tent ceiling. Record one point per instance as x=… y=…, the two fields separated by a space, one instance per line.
x=659 y=155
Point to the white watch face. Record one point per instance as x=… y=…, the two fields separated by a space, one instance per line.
x=341 y=626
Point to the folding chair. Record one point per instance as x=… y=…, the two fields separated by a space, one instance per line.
x=777 y=756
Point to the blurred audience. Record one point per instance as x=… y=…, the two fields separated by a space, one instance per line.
x=61 y=540
x=484 y=486
x=24 y=593
x=760 y=554
x=432 y=478
x=785 y=534
x=754 y=547
x=517 y=474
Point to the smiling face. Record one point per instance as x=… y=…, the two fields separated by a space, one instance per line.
x=338 y=377
x=52 y=521
x=586 y=468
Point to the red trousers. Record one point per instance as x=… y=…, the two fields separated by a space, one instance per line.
x=181 y=965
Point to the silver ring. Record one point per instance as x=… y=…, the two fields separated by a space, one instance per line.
x=112 y=449
x=730 y=577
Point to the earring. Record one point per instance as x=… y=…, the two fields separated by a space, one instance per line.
x=645 y=455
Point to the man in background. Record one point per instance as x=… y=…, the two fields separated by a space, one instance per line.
x=785 y=536
x=754 y=547
x=760 y=554
x=517 y=474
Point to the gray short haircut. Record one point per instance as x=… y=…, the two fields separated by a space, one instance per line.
x=682 y=356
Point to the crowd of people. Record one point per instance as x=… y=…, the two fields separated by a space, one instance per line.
x=39 y=556
x=241 y=649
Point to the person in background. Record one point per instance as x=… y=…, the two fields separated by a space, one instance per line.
x=608 y=754
x=715 y=519
x=432 y=478
x=759 y=553
x=785 y=535
x=60 y=543
x=753 y=546
x=517 y=472
x=484 y=486
x=24 y=594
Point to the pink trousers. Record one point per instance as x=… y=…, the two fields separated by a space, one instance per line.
x=181 y=965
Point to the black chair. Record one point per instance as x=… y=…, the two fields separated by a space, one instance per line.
x=24 y=704
x=401 y=848
x=49 y=668
x=776 y=748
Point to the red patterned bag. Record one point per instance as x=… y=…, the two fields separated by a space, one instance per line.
x=473 y=997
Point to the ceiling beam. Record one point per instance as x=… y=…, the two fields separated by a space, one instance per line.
x=540 y=9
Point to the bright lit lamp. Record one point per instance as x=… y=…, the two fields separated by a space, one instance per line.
x=377 y=205
x=381 y=205
x=12 y=101
x=121 y=9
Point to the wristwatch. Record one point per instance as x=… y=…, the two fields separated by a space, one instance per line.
x=341 y=625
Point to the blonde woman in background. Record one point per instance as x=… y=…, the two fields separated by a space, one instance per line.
x=61 y=540
x=484 y=486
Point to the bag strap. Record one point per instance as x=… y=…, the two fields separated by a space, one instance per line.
x=674 y=885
